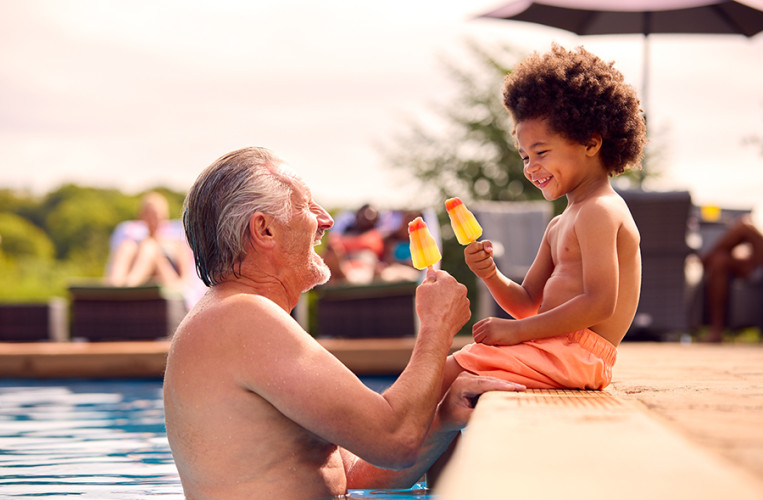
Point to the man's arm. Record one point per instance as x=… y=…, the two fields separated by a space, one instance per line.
x=452 y=414
x=311 y=387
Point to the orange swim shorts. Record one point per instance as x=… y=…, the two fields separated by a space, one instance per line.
x=579 y=360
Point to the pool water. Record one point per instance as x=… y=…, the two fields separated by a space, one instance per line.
x=99 y=439
x=93 y=439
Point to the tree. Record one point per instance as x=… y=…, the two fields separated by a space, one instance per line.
x=474 y=156
x=46 y=241
x=19 y=238
x=80 y=220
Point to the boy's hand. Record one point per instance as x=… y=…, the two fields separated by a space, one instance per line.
x=479 y=258
x=496 y=331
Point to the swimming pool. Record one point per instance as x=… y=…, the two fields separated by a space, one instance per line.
x=98 y=439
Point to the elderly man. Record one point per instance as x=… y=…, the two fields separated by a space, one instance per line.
x=255 y=407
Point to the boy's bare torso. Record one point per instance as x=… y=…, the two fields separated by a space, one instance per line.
x=567 y=277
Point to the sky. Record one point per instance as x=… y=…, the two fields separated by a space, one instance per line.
x=137 y=93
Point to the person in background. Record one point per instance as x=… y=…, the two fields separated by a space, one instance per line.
x=371 y=245
x=397 y=265
x=737 y=253
x=255 y=407
x=353 y=253
x=147 y=252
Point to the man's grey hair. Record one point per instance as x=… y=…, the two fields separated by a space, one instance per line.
x=220 y=203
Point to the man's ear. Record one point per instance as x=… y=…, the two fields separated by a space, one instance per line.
x=593 y=145
x=261 y=230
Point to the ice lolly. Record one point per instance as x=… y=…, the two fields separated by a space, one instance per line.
x=424 y=251
x=464 y=224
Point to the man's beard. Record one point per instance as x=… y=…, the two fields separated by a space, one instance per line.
x=319 y=272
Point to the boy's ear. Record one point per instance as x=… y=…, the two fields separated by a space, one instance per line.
x=261 y=230
x=593 y=145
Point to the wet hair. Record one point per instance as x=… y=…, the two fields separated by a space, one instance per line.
x=580 y=95
x=219 y=205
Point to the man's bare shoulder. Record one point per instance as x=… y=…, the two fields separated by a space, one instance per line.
x=228 y=325
x=256 y=340
x=226 y=310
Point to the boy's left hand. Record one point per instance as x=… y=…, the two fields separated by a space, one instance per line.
x=496 y=331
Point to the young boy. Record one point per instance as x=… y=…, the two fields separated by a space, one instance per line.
x=576 y=124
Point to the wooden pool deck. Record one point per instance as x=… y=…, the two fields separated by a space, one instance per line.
x=147 y=358
x=678 y=422
x=687 y=419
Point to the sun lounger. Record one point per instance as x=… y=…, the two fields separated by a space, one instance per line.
x=33 y=322
x=375 y=310
x=516 y=230
x=101 y=312
x=663 y=222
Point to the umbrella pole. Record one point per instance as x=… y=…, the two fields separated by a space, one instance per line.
x=645 y=77
x=644 y=98
x=647 y=28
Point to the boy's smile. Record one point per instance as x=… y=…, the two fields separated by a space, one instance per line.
x=553 y=163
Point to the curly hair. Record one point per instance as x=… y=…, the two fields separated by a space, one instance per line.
x=580 y=95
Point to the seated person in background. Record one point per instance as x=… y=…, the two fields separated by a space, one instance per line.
x=396 y=264
x=737 y=253
x=355 y=250
x=148 y=252
x=372 y=245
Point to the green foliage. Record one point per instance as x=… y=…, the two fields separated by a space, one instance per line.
x=45 y=242
x=19 y=238
x=19 y=203
x=32 y=279
x=474 y=157
x=80 y=219
x=474 y=154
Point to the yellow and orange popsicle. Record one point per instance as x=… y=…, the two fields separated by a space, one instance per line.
x=464 y=223
x=424 y=251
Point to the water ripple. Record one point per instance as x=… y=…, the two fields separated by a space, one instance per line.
x=89 y=439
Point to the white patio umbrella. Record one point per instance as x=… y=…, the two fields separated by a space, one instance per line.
x=610 y=17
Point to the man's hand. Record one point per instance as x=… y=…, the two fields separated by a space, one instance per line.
x=441 y=303
x=496 y=331
x=457 y=405
x=479 y=258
